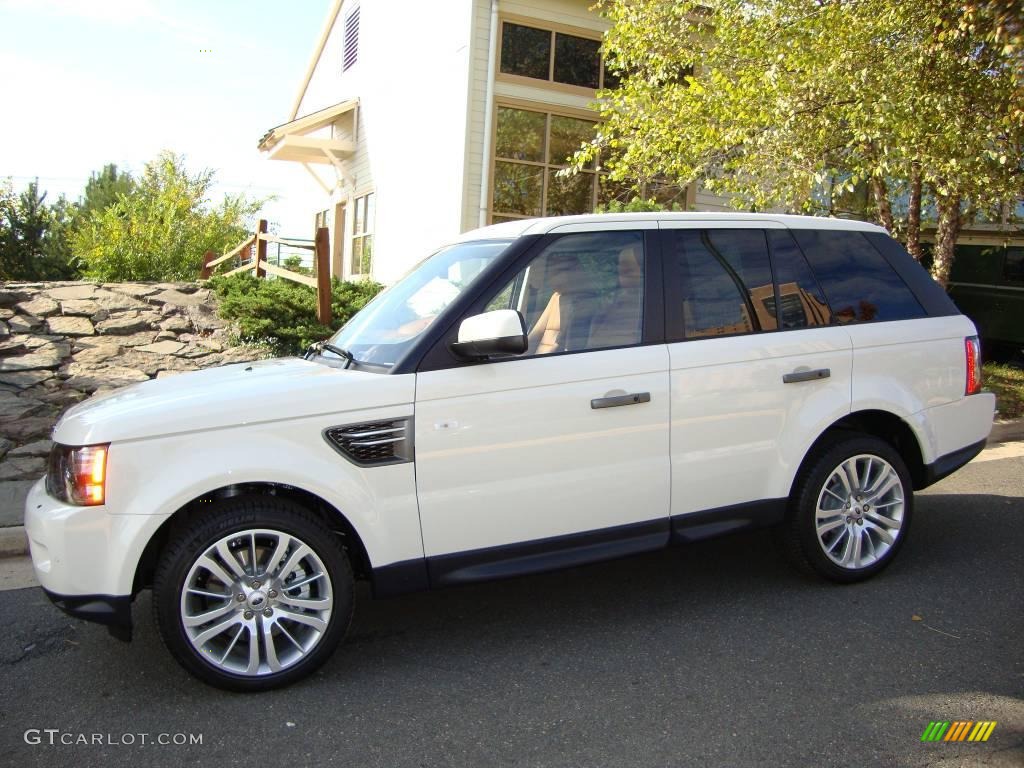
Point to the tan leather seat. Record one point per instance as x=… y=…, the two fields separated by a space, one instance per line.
x=547 y=331
x=621 y=323
x=565 y=321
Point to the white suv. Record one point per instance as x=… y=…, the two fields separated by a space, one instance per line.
x=540 y=394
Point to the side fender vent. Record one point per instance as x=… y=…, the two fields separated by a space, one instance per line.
x=373 y=443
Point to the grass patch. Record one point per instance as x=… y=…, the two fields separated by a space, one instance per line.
x=1008 y=384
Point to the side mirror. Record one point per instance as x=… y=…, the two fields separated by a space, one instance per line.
x=501 y=332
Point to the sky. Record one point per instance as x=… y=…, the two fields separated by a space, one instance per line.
x=91 y=82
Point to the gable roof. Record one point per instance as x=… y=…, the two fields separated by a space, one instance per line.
x=325 y=33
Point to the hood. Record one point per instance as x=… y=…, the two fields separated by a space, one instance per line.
x=228 y=396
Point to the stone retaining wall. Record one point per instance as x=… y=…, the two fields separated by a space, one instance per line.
x=62 y=342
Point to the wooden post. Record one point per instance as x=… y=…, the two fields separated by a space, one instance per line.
x=260 y=251
x=207 y=269
x=322 y=261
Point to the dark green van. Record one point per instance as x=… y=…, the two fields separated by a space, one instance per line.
x=987 y=284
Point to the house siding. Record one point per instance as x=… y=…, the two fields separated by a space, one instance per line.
x=477 y=107
x=420 y=141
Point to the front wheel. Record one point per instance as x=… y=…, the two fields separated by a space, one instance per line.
x=254 y=594
x=850 y=511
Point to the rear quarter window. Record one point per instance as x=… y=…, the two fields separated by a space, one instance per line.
x=858 y=282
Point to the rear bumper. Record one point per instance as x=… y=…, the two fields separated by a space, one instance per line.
x=950 y=463
x=115 y=611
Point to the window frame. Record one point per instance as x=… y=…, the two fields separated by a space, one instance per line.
x=553 y=28
x=438 y=355
x=360 y=232
x=549 y=111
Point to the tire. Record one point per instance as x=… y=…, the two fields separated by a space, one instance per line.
x=855 y=542
x=209 y=611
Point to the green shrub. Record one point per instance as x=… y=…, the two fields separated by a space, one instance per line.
x=160 y=228
x=282 y=313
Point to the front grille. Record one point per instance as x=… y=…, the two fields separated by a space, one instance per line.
x=374 y=442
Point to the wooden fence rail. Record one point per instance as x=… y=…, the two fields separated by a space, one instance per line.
x=260 y=267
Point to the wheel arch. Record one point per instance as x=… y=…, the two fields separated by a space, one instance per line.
x=884 y=425
x=331 y=516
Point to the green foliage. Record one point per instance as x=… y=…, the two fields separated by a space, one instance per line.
x=293 y=263
x=635 y=205
x=103 y=189
x=1008 y=384
x=162 y=228
x=34 y=235
x=819 y=107
x=283 y=313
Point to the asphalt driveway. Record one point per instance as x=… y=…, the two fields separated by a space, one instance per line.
x=716 y=654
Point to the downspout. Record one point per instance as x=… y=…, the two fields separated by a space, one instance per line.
x=485 y=169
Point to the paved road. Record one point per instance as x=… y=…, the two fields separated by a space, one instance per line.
x=716 y=654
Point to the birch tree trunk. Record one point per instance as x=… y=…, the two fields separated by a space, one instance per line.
x=945 y=237
x=881 y=194
x=914 y=212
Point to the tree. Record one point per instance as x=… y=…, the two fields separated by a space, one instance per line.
x=34 y=235
x=813 y=105
x=105 y=188
x=163 y=226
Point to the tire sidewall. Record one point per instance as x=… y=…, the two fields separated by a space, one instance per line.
x=235 y=516
x=811 y=488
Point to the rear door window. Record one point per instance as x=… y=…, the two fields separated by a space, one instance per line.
x=857 y=280
x=724 y=281
x=801 y=302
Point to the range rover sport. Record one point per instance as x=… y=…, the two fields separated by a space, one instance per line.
x=539 y=394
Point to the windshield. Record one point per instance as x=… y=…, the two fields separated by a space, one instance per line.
x=382 y=331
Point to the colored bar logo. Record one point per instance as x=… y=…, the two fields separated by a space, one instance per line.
x=958 y=730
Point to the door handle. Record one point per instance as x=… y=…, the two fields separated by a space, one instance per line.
x=614 y=401
x=795 y=376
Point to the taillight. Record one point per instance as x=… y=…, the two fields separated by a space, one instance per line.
x=972 y=348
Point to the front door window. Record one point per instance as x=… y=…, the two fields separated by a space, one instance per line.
x=582 y=292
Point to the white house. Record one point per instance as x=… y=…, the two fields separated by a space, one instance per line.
x=418 y=121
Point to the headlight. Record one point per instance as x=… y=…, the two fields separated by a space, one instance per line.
x=78 y=475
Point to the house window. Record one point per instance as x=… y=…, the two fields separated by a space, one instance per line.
x=557 y=57
x=362 y=235
x=530 y=148
x=351 y=51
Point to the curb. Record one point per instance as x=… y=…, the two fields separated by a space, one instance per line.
x=13 y=541
x=1007 y=431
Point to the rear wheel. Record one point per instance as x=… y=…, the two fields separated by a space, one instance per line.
x=253 y=595
x=850 y=511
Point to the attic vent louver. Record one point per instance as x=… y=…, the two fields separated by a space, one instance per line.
x=374 y=442
x=351 y=52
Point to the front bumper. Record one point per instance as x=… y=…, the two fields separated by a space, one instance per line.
x=112 y=610
x=85 y=557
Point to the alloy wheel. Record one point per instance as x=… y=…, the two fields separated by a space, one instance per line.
x=859 y=513
x=256 y=602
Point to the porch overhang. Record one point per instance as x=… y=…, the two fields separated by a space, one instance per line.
x=309 y=149
x=291 y=141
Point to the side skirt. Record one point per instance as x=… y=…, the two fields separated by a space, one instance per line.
x=708 y=523
x=571 y=550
